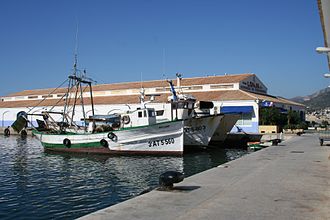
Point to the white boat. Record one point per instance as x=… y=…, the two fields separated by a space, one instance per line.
x=198 y=131
x=139 y=135
x=198 y=128
x=226 y=124
x=135 y=132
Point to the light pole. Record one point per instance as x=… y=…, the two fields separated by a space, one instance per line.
x=3 y=116
x=325 y=50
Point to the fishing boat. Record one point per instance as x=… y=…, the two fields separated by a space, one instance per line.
x=198 y=128
x=130 y=132
x=226 y=124
x=134 y=132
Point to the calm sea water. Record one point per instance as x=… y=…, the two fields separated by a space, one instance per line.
x=37 y=185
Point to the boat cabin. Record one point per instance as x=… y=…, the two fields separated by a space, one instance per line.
x=139 y=117
x=181 y=108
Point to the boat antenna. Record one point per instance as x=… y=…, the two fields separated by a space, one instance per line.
x=164 y=62
x=76 y=53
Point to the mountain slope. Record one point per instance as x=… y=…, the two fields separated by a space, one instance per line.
x=318 y=100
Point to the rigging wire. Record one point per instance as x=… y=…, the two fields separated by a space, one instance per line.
x=47 y=96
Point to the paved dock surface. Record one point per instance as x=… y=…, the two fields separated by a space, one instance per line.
x=289 y=181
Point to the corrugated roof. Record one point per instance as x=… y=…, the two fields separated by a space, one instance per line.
x=146 y=84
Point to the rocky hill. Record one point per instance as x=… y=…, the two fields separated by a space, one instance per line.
x=315 y=101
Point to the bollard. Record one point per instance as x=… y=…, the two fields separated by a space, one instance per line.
x=167 y=179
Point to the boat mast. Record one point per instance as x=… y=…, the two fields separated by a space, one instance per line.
x=77 y=79
x=76 y=85
x=91 y=94
x=82 y=103
x=66 y=104
x=75 y=74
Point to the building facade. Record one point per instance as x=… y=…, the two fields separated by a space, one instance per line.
x=244 y=94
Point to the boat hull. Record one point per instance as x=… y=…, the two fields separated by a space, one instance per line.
x=241 y=138
x=166 y=138
x=163 y=138
x=199 y=131
x=226 y=124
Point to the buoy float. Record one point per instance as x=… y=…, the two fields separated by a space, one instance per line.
x=67 y=143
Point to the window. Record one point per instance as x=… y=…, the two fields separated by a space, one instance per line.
x=115 y=92
x=60 y=95
x=33 y=97
x=159 y=112
x=196 y=88
x=246 y=119
x=230 y=86
x=18 y=98
x=140 y=114
x=96 y=93
x=163 y=89
x=151 y=113
x=182 y=105
x=145 y=113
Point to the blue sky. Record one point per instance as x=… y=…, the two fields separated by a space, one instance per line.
x=122 y=40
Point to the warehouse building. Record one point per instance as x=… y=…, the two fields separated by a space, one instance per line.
x=238 y=93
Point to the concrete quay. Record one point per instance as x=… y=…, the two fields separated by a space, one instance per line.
x=288 y=181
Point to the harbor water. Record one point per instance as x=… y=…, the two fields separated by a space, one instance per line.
x=39 y=185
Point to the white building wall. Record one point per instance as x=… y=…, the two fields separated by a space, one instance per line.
x=251 y=125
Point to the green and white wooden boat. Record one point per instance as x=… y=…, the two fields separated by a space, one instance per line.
x=135 y=132
x=150 y=138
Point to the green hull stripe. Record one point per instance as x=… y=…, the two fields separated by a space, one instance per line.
x=73 y=146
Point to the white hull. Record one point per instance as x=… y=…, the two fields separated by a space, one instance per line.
x=199 y=131
x=162 y=138
x=225 y=126
x=81 y=138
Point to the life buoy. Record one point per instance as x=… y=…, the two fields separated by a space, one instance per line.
x=126 y=119
x=67 y=143
x=112 y=137
x=7 y=132
x=104 y=143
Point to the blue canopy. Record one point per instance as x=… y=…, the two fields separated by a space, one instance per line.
x=236 y=109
